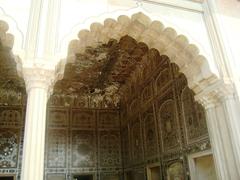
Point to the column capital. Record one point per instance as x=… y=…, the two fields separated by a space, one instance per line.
x=41 y=73
x=215 y=93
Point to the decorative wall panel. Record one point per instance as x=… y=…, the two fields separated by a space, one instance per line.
x=175 y=125
x=162 y=80
x=110 y=176
x=125 y=147
x=56 y=177
x=11 y=125
x=133 y=108
x=109 y=120
x=194 y=117
x=168 y=124
x=10 y=117
x=150 y=135
x=9 y=145
x=147 y=93
x=75 y=139
x=58 y=118
x=84 y=119
x=57 y=148
x=83 y=148
x=136 y=142
x=109 y=148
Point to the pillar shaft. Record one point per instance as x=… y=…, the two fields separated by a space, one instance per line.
x=232 y=110
x=39 y=79
x=223 y=112
x=34 y=135
x=222 y=148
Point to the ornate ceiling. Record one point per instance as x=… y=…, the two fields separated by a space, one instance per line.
x=101 y=75
x=96 y=79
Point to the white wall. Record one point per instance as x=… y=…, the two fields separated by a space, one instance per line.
x=187 y=17
x=227 y=14
x=84 y=12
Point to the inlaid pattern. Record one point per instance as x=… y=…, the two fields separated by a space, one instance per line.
x=9 y=145
x=83 y=148
x=57 y=146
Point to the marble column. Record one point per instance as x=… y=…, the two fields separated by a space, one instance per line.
x=38 y=80
x=231 y=108
x=222 y=113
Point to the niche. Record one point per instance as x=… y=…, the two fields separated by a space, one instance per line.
x=153 y=172
x=205 y=168
x=202 y=166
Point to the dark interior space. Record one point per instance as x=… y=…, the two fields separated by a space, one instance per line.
x=7 y=178
x=83 y=177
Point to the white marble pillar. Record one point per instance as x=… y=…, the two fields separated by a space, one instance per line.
x=231 y=108
x=38 y=80
x=224 y=130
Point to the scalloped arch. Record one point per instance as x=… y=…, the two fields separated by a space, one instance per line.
x=7 y=39
x=10 y=33
x=155 y=35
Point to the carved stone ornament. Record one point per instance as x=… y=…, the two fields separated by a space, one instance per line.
x=40 y=75
x=216 y=93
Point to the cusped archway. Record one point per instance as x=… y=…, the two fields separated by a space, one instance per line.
x=153 y=123
x=153 y=33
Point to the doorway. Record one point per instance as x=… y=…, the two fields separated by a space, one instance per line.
x=129 y=175
x=153 y=172
x=202 y=166
x=83 y=177
x=7 y=177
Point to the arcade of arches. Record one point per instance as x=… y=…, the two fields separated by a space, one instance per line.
x=122 y=110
